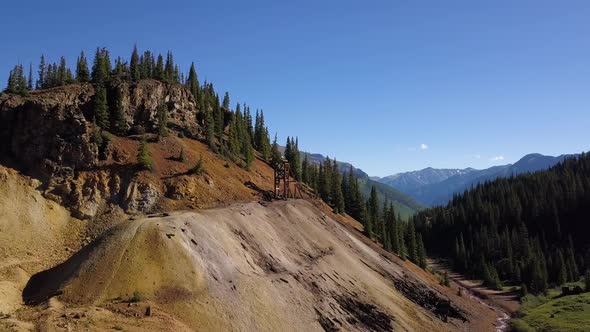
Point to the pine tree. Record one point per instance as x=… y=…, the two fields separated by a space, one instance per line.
x=235 y=143
x=411 y=241
x=82 y=72
x=209 y=129
x=169 y=68
x=192 y=82
x=61 y=72
x=12 y=86
x=101 y=108
x=288 y=150
x=421 y=252
x=17 y=83
x=248 y=154
x=159 y=70
x=134 y=65
x=276 y=156
x=101 y=66
x=296 y=161
x=337 y=196
x=225 y=104
x=22 y=81
x=305 y=170
x=41 y=74
x=144 y=158
x=372 y=211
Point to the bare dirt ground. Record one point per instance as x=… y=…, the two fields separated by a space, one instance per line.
x=290 y=266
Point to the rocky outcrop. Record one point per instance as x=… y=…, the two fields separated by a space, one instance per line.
x=141 y=197
x=53 y=128
x=50 y=134
x=48 y=131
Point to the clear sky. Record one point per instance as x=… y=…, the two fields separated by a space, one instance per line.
x=387 y=85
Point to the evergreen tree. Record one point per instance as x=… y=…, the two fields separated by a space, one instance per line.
x=276 y=156
x=82 y=72
x=248 y=154
x=144 y=158
x=421 y=252
x=169 y=68
x=192 y=82
x=305 y=170
x=260 y=135
x=338 y=199
x=296 y=162
x=225 y=104
x=411 y=241
x=17 y=83
x=134 y=65
x=61 y=72
x=209 y=129
x=101 y=66
x=159 y=70
x=101 y=108
x=12 y=85
x=41 y=74
x=372 y=211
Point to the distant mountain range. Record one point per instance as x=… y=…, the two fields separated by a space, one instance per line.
x=404 y=204
x=433 y=186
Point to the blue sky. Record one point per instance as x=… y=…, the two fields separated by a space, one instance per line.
x=387 y=85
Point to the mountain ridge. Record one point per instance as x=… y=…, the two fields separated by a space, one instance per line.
x=430 y=186
x=405 y=204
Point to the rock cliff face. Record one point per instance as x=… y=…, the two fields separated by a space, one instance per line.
x=49 y=135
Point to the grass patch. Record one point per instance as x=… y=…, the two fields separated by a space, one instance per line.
x=567 y=313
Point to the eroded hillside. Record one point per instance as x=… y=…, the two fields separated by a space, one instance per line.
x=89 y=241
x=282 y=266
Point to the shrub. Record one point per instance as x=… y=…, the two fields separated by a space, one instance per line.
x=198 y=169
x=181 y=156
x=444 y=281
x=144 y=159
x=136 y=297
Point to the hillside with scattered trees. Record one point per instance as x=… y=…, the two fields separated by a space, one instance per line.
x=237 y=134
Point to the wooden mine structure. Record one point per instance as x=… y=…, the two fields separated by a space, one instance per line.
x=282 y=189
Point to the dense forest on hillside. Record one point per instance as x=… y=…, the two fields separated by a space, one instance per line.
x=531 y=229
x=233 y=133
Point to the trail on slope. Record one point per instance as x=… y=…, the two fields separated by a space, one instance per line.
x=485 y=297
